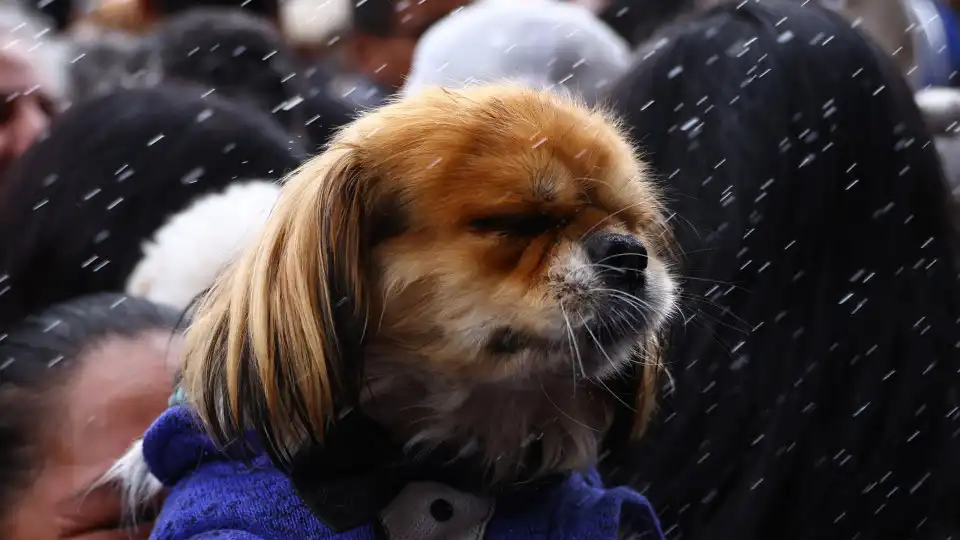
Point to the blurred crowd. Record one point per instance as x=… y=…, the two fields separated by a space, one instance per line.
x=810 y=152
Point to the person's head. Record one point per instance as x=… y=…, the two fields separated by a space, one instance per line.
x=108 y=60
x=86 y=206
x=157 y=10
x=816 y=370
x=236 y=54
x=636 y=20
x=32 y=75
x=540 y=43
x=79 y=382
x=385 y=32
x=324 y=113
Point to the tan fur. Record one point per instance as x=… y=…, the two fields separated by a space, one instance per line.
x=369 y=287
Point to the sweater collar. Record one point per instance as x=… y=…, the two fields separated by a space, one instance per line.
x=359 y=470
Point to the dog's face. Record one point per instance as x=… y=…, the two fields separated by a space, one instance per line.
x=527 y=239
x=451 y=258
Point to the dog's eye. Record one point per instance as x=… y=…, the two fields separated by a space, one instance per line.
x=523 y=225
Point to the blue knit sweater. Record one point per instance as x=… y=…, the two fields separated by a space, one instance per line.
x=213 y=496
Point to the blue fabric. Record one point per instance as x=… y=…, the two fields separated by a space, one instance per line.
x=214 y=496
x=951 y=29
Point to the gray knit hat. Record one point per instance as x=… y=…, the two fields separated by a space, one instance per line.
x=539 y=43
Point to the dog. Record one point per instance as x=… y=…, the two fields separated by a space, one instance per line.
x=486 y=270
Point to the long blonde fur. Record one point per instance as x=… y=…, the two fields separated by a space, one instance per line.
x=267 y=327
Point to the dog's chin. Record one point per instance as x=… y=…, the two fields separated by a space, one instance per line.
x=605 y=353
x=551 y=386
x=597 y=349
x=602 y=346
x=555 y=392
x=607 y=345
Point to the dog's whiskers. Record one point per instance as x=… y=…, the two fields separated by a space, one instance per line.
x=605 y=259
x=716 y=281
x=622 y=315
x=612 y=363
x=606 y=267
x=725 y=309
x=641 y=306
x=574 y=348
x=561 y=411
x=383 y=310
x=595 y=180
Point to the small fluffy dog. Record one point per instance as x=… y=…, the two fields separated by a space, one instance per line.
x=476 y=269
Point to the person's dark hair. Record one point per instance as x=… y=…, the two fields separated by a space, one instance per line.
x=79 y=206
x=637 y=20
x=108 y=61
x=269 y=9
x=816 y=382
x=323 y=113
x=238 y=55
x=373 y=17
x=39 y=354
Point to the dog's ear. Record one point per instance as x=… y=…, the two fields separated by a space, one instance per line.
x=640 y=389
x=275 y=345
x=650 y=369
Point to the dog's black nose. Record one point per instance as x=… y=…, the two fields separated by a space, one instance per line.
x=619 y=257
